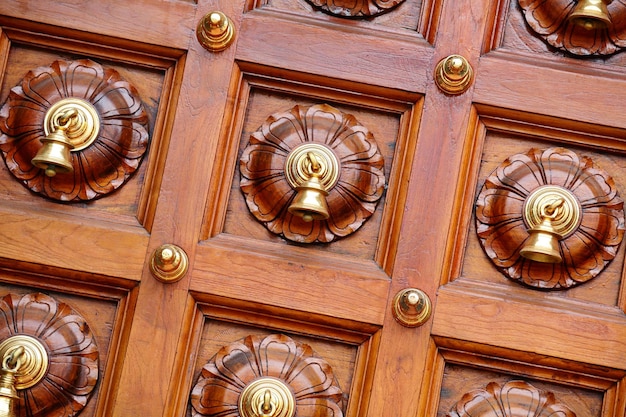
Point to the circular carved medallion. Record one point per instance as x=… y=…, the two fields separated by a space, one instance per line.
x=341 y=143
x=275 y=370
x=554 y=22
x=60 y=333
x=588 y=244
x=513 y=399
x=104 y=157
x=355 y=9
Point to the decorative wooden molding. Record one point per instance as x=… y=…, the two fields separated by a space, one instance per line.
x=513 y=399
x=265 y=179
x=552 y=21
x=72 y=371
x=236 y=366
x=502 y=230
x=359 y=9
x=98 y=169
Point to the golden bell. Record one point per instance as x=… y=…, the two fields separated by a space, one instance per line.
x=590 y=14
x=54 y=155
x=542 y=244
x=310 y=202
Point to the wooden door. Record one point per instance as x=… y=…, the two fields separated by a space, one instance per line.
x=489 y=336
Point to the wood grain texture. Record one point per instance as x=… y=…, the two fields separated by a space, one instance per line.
x=557 y=329
x=134 y=20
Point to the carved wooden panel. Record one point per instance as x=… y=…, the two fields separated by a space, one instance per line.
x=234 y=367
x=359 y=9
x=383 y=122
x=554 y=22
x=351 y=198
x=502 y=228
x=483 y=381
x=73 y=356
x=513 y=399
x=370 y=15
x=99 y=168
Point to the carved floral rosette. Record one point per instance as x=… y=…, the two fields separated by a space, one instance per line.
x=72 y=370
x=226 y=375
x=513 y=399
x=550 y=20
x=99 y=168
x=502 y=231
x=355 y=9
x=351 y=201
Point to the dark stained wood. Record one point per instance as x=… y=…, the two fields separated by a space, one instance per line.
x=515 y=398
x=309 y=377
x=503 y=229
x=553 y=22
x=72 y=353
x=98 y=169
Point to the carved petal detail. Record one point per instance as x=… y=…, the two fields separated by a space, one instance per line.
x=513 y=399
x=355 y=9
x=502 y=232
x=351 y=201
x=549 y=19
x=72 y=353
x=101 y=167
x=309 y=377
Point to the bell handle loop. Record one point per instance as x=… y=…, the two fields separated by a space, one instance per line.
x=267 y=408
x=13 y=361
x=550 y=211
x=314 y=164
x=64 y=120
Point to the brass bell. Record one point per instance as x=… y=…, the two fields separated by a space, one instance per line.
x=543 y=244
x=310 y=202
x=591 y=14
x=54 y=155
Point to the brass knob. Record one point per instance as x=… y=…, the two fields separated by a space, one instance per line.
x=169 y=263
x=454 y=74
x=267 y=397
x=215 y=31
x=411 y=307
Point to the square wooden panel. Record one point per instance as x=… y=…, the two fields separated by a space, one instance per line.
x=466 y=371
x=132 y=202
x=105 y=310
x=461 y=379
x=511 y=138
x=349 y=355
x=416 y=16
x=512 y=33
x=387 y=119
